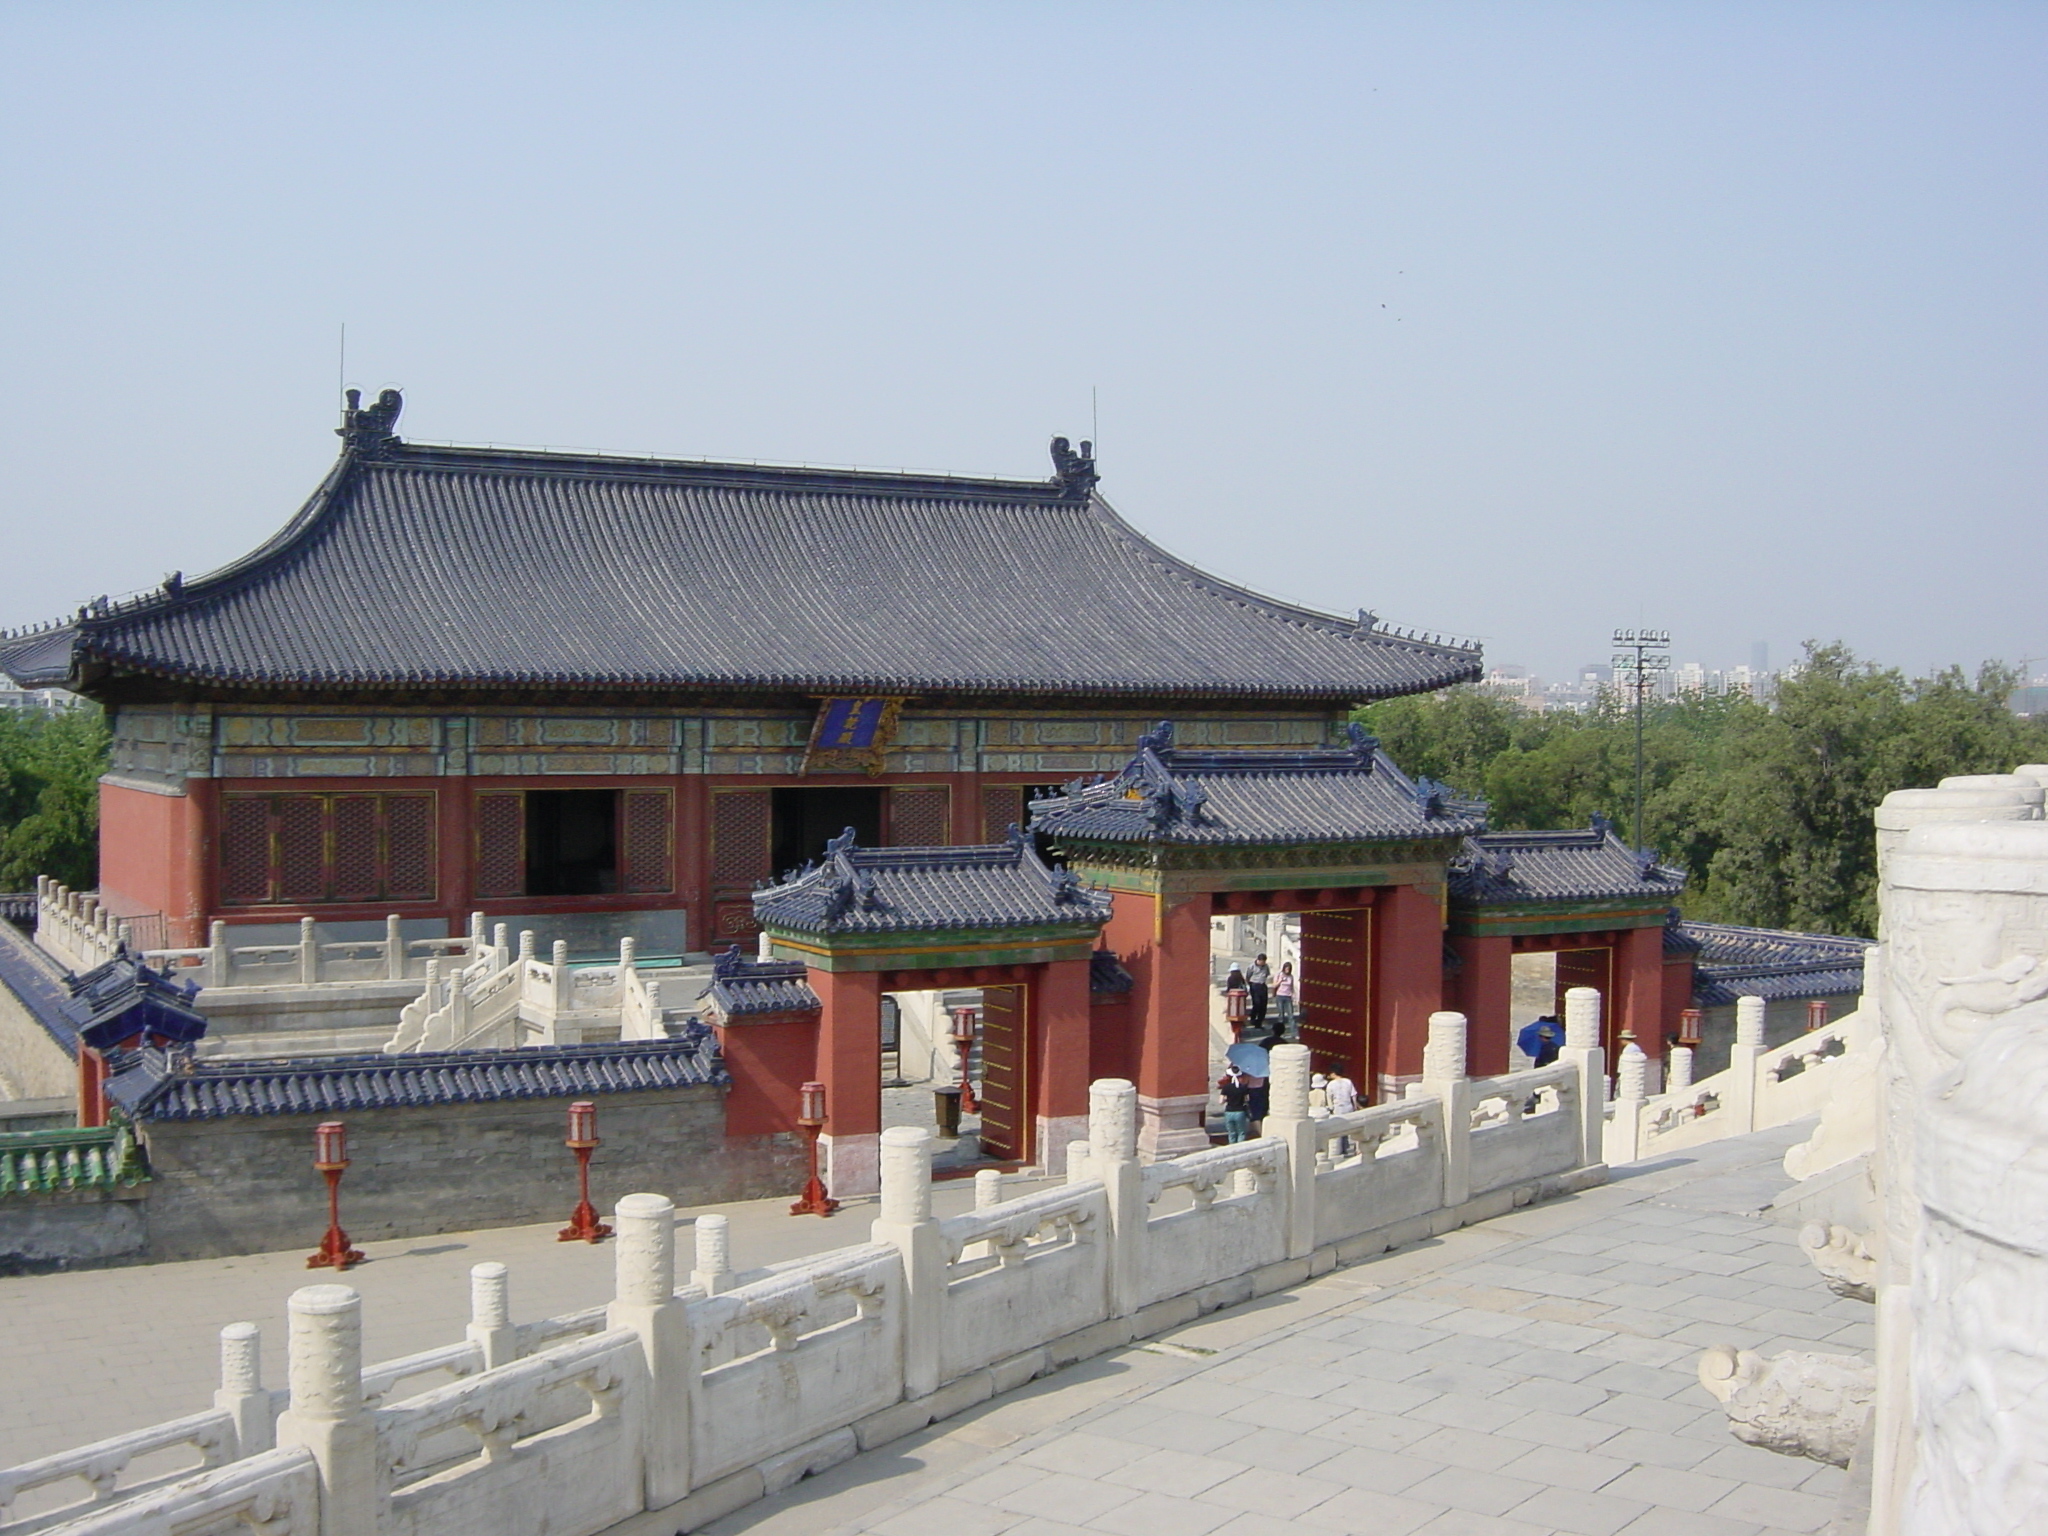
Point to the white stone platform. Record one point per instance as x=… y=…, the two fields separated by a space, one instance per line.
x=1531 y=1374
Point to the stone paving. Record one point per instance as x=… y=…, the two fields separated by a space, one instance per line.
x=1532 y=1374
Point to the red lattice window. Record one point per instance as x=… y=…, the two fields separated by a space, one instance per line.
x=299 y=829
x=740 y=822
x=316 y=848
x=409 y=847
x=357 y=846
x=1002 y=807
x=245 y=849
x=501 y=843
x=646 y=861
x=917 y=816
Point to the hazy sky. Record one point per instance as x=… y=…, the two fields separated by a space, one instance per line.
x=1514 y=321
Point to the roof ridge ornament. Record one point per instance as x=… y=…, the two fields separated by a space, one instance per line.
x=367 y=429
x=1074 y=473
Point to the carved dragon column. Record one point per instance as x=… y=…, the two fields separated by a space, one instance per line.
x=1963 y=1282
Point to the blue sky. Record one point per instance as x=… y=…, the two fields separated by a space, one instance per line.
x=1514 y=321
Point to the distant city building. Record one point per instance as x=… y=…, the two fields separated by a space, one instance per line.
x=15 y=698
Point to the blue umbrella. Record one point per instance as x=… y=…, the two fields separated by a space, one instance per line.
x=1250 y=1058
x=1531 y=1040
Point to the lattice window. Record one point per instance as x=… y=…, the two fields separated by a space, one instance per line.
x=501 y=843
x=917 y=816
x=1002 y=807
x=303 y=849
x=356 y=850
x=299 y=824
x=646 y=841
x=409 y=847
x=740 y=823
x=245 y=849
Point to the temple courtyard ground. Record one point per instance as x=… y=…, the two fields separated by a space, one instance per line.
x=1531 y=1374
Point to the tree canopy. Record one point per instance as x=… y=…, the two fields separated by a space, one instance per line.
x=50 y=765
x=1767 y=807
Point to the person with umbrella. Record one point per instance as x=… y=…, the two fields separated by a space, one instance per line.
x=1541 y=1039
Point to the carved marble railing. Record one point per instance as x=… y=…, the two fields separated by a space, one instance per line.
x=505 y=999
x=1762 y=1086
x=694 y=1398
x=80 y=934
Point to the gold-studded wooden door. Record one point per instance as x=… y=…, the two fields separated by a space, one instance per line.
x=1005 y=1087
x=1335 y=990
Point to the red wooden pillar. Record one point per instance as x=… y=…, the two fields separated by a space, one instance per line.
x=1059 y=1038
x=850 y=1067
x=1407 y=982
x=457 y=851
x=92 y=1087
x=1164 y=943
x=693 y=863
x=1485 y=995
x=1639 y=987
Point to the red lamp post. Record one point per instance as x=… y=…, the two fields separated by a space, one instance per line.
x=330 y=1157
x=811 y=1118
x=1689 y=1026
x=584 y=1227
x=963 y=1042
x=1816 y=1014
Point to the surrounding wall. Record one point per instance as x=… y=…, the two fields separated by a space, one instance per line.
x=244 y=1184
x=694 y=1401
x=33 y=1065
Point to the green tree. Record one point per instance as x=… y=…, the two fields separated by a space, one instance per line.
x=50 y=765
x=1767 y=808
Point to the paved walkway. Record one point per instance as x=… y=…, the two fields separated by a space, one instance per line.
x=1533 y=1374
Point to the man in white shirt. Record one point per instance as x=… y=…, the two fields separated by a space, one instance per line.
x=1342 y=1096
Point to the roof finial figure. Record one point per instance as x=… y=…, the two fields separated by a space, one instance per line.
x=1074 y=472
x=366 y=428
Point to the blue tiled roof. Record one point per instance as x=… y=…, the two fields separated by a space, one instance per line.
x=123 y=998
x=1772 y=963
x=742 y=986
x=1580 y=864
x=41 y=993
x=435 y=567
x=913 y=890
x=170 y=1085
x=1351 y=794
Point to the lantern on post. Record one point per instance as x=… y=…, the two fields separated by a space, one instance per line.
x=584 y=1227
x=1816 y=1014
x=811 y=1120
x=1689 y=1026
x=330 y=1157
x=963 y=1042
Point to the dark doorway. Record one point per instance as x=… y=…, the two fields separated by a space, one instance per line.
x=806 y=819
x=572 y=842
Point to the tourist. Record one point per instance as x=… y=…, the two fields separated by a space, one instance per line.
x=1260 y=980
x=1541 y=1039
x=1236 y=1002
x=1341 y=1094
x=1236 y=1089
x=1283 y=998
x=1261 y=1101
